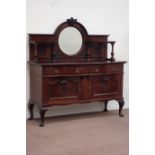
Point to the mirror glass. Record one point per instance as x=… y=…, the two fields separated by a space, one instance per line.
x=70 y=41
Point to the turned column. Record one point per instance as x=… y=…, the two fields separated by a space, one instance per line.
x=35 y=51
x=112 y=51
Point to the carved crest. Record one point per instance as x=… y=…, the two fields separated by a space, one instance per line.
x=71 y=21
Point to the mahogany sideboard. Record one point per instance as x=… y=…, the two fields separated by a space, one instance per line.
x=58 y=78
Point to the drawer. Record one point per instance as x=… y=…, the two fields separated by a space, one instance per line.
x=76 y=70
x=66 y=70
x=54 y=70
x=105 y=69
x=113 y=68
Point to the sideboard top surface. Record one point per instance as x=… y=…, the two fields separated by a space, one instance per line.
x=76 y=63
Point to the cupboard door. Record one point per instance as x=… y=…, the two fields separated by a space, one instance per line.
x=105 y=86
x=61 y=90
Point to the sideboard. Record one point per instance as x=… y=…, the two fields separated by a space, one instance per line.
x=83 y=75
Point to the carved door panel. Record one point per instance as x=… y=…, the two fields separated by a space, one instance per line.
x=105 y=86
x=61 y=90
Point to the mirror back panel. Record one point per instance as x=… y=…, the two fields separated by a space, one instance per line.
x=58 y=47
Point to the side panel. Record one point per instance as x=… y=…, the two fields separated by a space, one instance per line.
x=36 y=83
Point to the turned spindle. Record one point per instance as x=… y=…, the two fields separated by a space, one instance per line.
x=35 y=52
x=112 y=51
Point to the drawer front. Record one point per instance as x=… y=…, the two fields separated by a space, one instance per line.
x=66 y=70
x=117 y=68
x=76 y=70
x=113 y=68
x=54 y=70
x=61 y=90
x=105 y=86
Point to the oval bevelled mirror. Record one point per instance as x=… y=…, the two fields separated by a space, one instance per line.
x=70 y=41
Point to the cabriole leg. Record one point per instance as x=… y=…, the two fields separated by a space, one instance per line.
x=106 y=104
x=42 y=114
x=121 y=104
x=30 y=107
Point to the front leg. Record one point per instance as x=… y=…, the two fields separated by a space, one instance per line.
x=30 y=107
x=42 y=114
x=121 y=104
x=105 y=103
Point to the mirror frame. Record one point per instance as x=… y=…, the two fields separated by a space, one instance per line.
x=58 y=53
x=69 y=42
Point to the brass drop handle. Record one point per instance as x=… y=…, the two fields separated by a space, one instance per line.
x=56 y=71
x=104 y=80
x=77 y=70
x=63 y=82
x=114 y=69
x=96 y=70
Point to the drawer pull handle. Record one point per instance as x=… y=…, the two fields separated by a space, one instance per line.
x=56 y=71
x=77 y=71
x=96 y=70
x=104 y=80
x=114 y=69
x=63 y=82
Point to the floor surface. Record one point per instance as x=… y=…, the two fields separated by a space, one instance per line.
x=101 y=133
